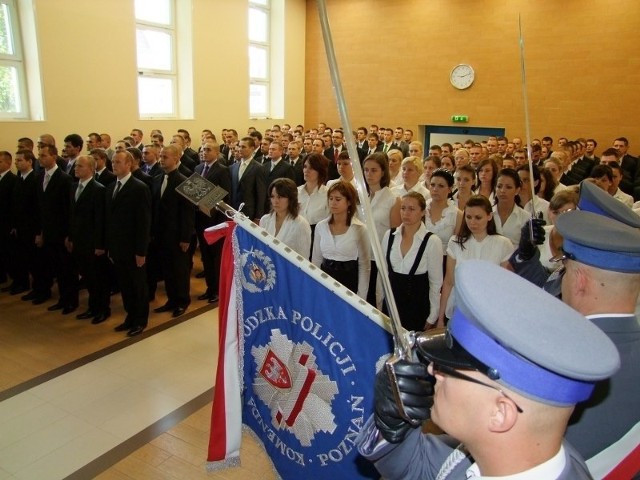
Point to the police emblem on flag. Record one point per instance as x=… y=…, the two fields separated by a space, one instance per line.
x=296 y=392
x=258 y=272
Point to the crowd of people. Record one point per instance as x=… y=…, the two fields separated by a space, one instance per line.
x=111 y=219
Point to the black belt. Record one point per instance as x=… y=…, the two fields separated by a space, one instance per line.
x=335 y=265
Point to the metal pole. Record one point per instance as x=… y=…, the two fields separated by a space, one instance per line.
x=402 y=348
x=526 y=123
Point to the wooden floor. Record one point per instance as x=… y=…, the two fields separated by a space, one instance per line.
x=35 y=342
x=180 y=453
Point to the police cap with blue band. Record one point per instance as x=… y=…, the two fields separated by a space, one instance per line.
x=596 y=200
x=600 y=241
x=521 y=337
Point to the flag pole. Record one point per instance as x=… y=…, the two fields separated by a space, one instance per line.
x=402 y=347
x=526 y=124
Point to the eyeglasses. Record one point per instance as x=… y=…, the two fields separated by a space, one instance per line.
x=452 y=372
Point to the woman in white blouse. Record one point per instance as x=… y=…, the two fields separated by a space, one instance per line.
x=395 y=160
x=529 y=203
x=411 y=172
x=555 y=164
x=341 y=244
x=478 y=240
x=508 y=214
x=385 y=207
x=414 y=260
x=487 y=176
x=312 y=195
x=465 y=177
x=284 y=222
x=442 y=217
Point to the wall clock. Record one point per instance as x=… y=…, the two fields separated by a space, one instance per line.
x=462 y=76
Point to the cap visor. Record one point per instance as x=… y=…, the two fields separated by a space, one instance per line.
x=438 y=346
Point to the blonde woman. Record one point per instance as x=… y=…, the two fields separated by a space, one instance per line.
x=411 y=171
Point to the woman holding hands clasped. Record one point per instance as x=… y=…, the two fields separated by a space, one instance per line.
x=385 y=208
x=341 y=244
x=414 y=259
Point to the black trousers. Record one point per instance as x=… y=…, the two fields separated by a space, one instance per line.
x=95 y=271
x=54 y=261
x=176 y=269
x=135 y=294
x=211 y=260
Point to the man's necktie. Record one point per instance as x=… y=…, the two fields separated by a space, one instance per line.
x=117 y=190
x=205 y=171
x=79 y=191
x=243 y=167
x=47 y=177
x=165 y=180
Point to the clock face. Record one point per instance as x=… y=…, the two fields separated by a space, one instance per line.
x=462 y=76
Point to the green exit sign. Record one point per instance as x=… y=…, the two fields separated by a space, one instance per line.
x=460 y=118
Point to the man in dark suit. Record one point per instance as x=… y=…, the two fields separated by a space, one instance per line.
x=219 y=175
x=73 y=148
x=136 y=171
x=277 y=166
x=150 y=156
x=102 y=174
x=172 y=228
x=296 y=161
x=373 y=144
x=337 y=140
x=248 y=182
x=25 y=220
x=628 y=163
x=190 y=152
x=128 y=224
x=7 y=184
x=389 y=144
x=54 y=201
x=185 y=160
x=86 y=241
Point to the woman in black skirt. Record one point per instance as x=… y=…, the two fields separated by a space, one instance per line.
x=341 y=244
x=414 y=259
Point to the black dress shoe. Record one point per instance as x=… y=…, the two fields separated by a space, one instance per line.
x=29 y=296
x=101 y=317
x=17 y=290
x=39 y=300
x=204 y=296
x=69 y=309
x=164 y=308
x=54 y=307
x=200 y=275
x=87 y=314
x=7 y=288
x=213 y=299
x=122 y=327
x=178 y=311
x=135 y=331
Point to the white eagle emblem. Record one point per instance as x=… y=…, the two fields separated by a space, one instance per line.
x=290 y=383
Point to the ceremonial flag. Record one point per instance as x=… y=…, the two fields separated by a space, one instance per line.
x=297 y=361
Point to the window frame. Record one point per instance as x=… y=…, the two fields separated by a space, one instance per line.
x=17 y=61
x=171 y=74
x=265 y=7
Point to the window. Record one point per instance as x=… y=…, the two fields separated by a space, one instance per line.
x=13 y=85
x=156 y=54
x=259 y=58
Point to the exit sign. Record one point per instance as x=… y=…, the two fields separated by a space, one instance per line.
x=460 y=118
